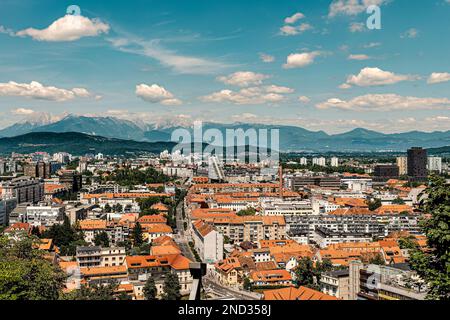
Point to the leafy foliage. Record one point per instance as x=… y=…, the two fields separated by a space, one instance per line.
x=434 y=265
x=308 y=274
x=93 y=292
x=172 y=287
x=150 y=291
x=101 y=239
x=24 y=272
x=65 y=237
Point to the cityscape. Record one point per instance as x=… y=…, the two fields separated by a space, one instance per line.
x=314 y=188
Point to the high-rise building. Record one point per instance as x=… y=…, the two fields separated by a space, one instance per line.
x=37 y=170
x=417 y=164
x=335 y=162
x=385 y=172
x=402 y=163
x=3 y=167
x=303 y=161
x=24 y=189
x=322 y=162
x=435 y=164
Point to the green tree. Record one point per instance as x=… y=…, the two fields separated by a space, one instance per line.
x=101 y=239
x=150 y=291
x=247 y=284
x=137 y=235
x=398 y=201
x=247 y=212
x=434 y=265
x=374 y=205
x=377 y=259
x=24 y=272
x=65 y=237
x=107 y=208
x=93 y=292
x=309 y=274
x=172 y=287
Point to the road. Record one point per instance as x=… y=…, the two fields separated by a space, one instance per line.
x=220 y=291
x=182 y=238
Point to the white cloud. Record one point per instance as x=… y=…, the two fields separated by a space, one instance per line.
x=357 y=27
x=67 y=28
x=294 y=18
x=438 y=77
x=295 y=30
x=278 y=89
x=22 y=112
x=180 y=63
x=266 y=58
x=358 y=57
x=351 y=7
x=36 y=90
x=246 y=96
x=300 y=60
x=411 y=34
x=372 y=45
x=243 y=78
x=156 y=94
x=368 y=77
x=385 y=102
x=304 y=99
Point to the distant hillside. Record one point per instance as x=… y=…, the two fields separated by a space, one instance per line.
x=294 y=139
x=439 y=151
x=77 y=144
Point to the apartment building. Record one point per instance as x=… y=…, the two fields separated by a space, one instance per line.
x=100 y=257
x=24 y=189
x=208 y=242
x=336 y=284
x=6 y=207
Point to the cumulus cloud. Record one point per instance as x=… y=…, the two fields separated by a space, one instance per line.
x=357 y=27
x=301 y=60
x=294 y=30
x=294 y=18
x=156 y=94
x=22 y=112
x=36 y=90
x=266 y=58
x=304 y=99
x=410 y=34
x=369 y=77
x=67 y=28
x=358 y=57
x=246 y=96
x=243 y=78
x=372 y=45
x=438 y=77
x=351 y=7
x=278 y=89
x=385 y=102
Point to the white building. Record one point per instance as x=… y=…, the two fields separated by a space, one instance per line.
x=281 y=208
x=335 y=162
x=100 y=257
x=303 y=161
x=44 y=215
x=208 y=242
x=357 y=184
x=402 y=163
x=322 y=162
x=435 y=164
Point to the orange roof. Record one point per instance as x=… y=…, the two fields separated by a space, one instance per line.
x=351 y=211
x=394 y=209
x=164 y=241
x=271 y=276
x=152 y=219
x=302 y=293
x=99 y=271
x=202 y=227
x=65 y=265
x=176 y=261
x=157 y=228
x=19 y=226
x=274 y=243
x=351 y=202
x=127 y=195
x=160 y=207
x=271 y=220
x=50 y=188
x=164 y=250
x=92 y=224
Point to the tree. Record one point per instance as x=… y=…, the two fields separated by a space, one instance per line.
x=247 y=284
x=149 y=212
x=398 y=201
x=150 y=291
x=93 y=292
x=137 y=235
x=377 y=259
x=247 y=212
x=101 y=239
x=172 y=287
x=374 y=205
x=433 y=265
x=309 y=274
x=65 y=237
x=107 y=208
x=24 y=272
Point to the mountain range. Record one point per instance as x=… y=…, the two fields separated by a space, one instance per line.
x=78 y=144
x=292 y=138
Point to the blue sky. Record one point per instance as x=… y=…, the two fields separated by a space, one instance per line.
x=312 y=64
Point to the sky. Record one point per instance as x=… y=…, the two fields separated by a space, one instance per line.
x=308 y=63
